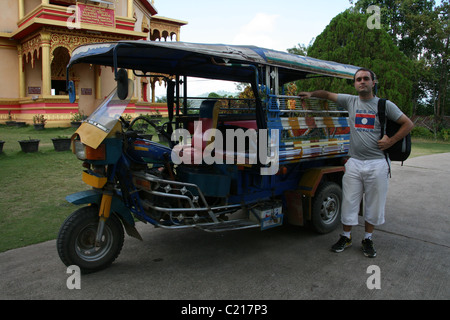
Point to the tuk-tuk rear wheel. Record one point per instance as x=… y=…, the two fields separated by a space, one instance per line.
x=326 y=207
x=76 y=240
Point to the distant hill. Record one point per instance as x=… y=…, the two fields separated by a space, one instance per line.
x=220 y=93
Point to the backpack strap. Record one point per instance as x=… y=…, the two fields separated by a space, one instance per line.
x=382 y=115
x=382 y=118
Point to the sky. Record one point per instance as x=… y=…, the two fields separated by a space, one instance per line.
x=272 y=24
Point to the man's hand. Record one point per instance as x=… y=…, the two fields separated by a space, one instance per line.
x=305 y=95
x=321 y=94
x=385 y=143
x=406 y=126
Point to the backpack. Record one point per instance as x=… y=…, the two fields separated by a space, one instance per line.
x=401 y=150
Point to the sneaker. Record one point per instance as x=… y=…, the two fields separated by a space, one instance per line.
x=342 y=243
x=368 y=248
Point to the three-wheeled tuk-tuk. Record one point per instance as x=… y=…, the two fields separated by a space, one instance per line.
x=228 y=164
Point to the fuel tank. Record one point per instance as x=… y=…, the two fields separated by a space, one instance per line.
x=143 y=150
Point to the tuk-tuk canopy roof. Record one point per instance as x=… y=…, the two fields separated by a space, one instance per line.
x=206 y=60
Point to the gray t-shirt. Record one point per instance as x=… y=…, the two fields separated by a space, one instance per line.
x=364 y=125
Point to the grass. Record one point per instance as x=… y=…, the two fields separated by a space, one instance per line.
x=33 y=186
x=424 y=147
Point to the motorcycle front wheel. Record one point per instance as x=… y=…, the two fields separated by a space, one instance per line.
x=76 y=240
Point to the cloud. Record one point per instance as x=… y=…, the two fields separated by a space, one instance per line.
x=260 y=31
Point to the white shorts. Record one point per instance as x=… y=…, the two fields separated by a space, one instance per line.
x=368 y=177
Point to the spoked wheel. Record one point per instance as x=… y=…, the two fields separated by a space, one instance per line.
x=326 y=207
x=76 y=240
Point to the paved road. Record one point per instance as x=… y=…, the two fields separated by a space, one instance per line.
x=283 y=263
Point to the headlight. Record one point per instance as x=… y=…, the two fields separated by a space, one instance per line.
x=84 y=152
x=80 y=150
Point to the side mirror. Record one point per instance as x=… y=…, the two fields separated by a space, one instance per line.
x=71 y=90
x=122 y=84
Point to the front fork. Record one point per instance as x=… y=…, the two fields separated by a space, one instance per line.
x=105 y=210
x=107 y=196
x=105 y=206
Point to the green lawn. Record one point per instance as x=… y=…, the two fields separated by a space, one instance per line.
x=423 y=147
x=33 y=186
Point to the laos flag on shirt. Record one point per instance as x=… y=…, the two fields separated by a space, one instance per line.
x=365 y=121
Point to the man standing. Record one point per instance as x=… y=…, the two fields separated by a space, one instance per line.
x=367 y=170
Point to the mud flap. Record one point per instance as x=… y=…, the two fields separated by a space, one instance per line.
x=294 y=207
x=117 y=206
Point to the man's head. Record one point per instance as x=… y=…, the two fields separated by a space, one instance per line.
x=372 y=75
x=364 y=81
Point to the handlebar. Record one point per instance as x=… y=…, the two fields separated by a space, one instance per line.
x=159 y=129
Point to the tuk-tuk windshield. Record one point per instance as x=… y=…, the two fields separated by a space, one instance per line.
x=109 y=111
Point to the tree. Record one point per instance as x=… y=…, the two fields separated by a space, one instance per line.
x=300 y=49
x=406 y=21
x=437 y=56
x=420 y=28
x=348 y=40
x=214 y=95
x=245 y=91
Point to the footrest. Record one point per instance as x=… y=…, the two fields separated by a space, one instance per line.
x=228 y=225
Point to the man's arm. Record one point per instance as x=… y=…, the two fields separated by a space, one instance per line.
x=321 y=94
x=406 y=127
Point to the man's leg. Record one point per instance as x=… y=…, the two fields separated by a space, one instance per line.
x=368 y=228
x=347 y=228
x=352 y=190
x=347 y=231
x=376 y=183
x=367 y=243
x=376 y=186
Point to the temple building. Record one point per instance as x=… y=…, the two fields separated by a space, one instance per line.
x=37 y=38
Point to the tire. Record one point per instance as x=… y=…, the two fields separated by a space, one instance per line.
x=76 y=240
x=326 y=207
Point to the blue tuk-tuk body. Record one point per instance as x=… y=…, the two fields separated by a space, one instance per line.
x=308 y=139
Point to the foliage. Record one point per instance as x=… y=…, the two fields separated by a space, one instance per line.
x=145 y=115
x=214 y=95
x=246 y=93
x=425 y=133
x=162 y=99
x=348 y=40
x=127 y=117
x=421 y=30
x=300 y=49
x=421 y=132
x=78 y=116
x=445 y=134
x=418 y=28
x=406 y=21
x=39 y=119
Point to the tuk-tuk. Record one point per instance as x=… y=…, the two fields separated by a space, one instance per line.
x=228 y=163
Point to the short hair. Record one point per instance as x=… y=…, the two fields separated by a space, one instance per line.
x=372 y=74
